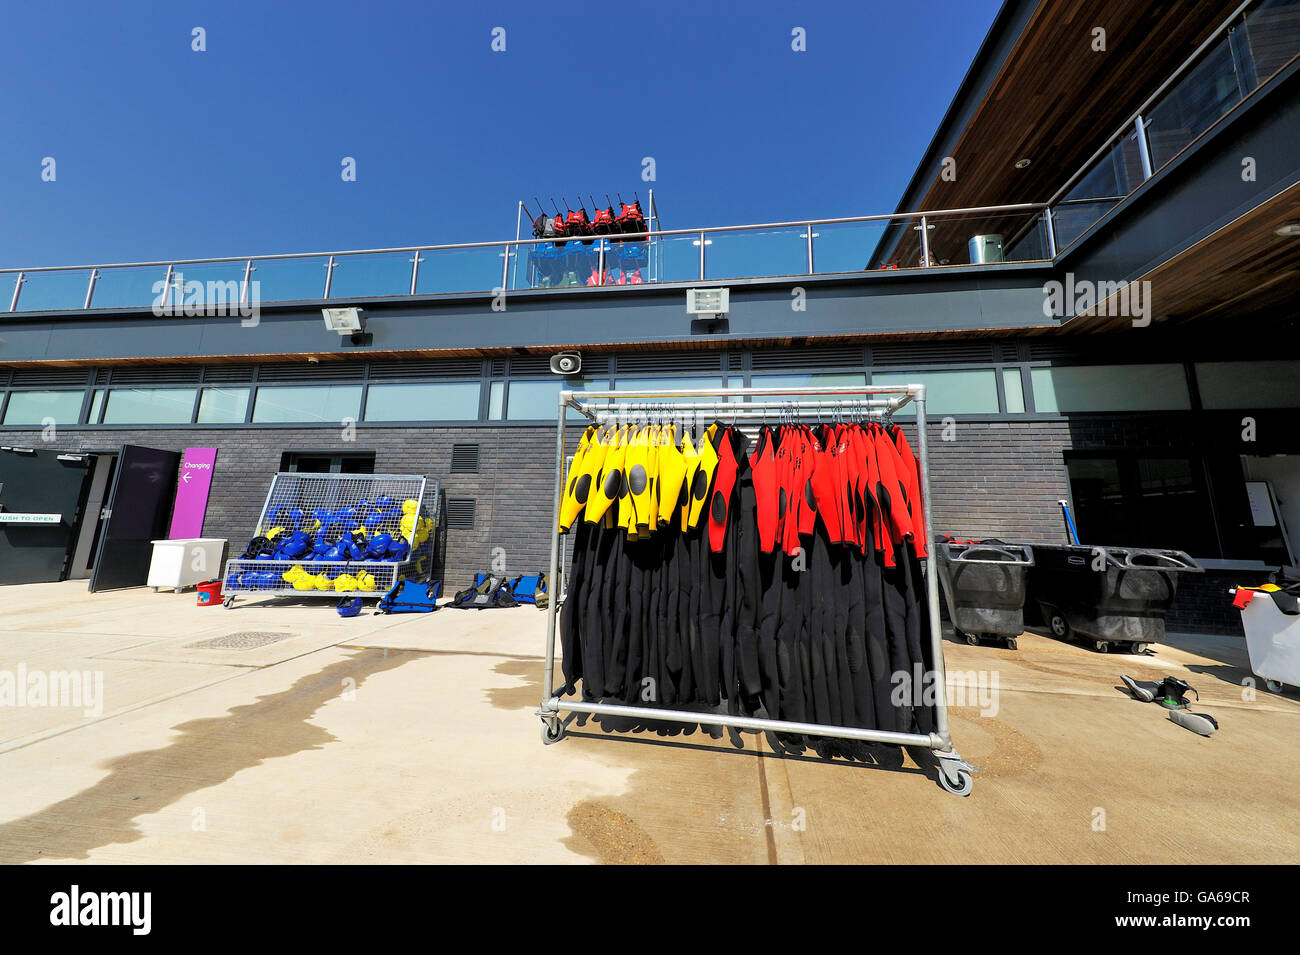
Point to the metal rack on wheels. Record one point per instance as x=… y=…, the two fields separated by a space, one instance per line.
x=879 y=402
x=315 y=504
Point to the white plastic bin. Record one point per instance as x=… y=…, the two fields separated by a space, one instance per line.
x=184 y=563
x=1273 y=642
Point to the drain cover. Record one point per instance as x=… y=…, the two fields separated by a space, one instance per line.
x=244 y=640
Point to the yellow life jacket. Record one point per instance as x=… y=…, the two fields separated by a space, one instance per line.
x=583 y=472
x=702 y=480
x=672 y=471
x=607 y=486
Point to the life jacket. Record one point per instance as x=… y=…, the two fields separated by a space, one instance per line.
x=603 y=223
x=576 y=224
x=605 y=489
x=595 y=278
x=582 y=472
x=632 y=278
x=631 y=219
x=487 y=593
x=409 y=596
x=701 y=481
x=526 y=588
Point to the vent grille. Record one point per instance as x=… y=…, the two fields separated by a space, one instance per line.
x=498 y=366
x=46 y=377
x=912 y=353
x=673 y=364
x=464 y=459
x=529 y=366
x=460 y=513
x=333 y=372
x=1045 y=351
x=101 y=376
x=176 y=375
x=808 y=358
x=4 y=377
x=434 y=368
x=223 y=373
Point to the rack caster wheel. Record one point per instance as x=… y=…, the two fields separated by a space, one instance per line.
x=1140 y=647
x=1102 y=646
x=552 y=731
x=1274 y=686
x=1012 y=643
x=973 y=639
x=1059 y=626
x=228 y=602
x=955 y=776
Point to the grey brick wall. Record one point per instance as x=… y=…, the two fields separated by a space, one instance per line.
x=991 y=479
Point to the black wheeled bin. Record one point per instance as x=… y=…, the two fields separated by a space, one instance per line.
x=1108 y=596
x=984 y=588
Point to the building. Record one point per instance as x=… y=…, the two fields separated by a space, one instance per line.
x=1093 y=269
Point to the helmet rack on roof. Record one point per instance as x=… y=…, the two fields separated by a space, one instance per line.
x=337 y=535
x=613 y=245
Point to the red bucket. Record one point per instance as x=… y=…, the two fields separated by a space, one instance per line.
x=209 y=593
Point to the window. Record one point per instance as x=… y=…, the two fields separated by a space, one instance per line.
x=1013 y=389
x=33 y=407
x=96 y=406
x=328 y=462
x=438 y=401
x=1123 y=499
x=149 y=406
x=1110 y=388
x=1249 y=384
x=807 y=379
x=496 y=400
x=667 y=384
x=947 y=392
x=537 y=400
x=223 y=405
x=330 y=403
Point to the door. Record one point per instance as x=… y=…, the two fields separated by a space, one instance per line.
x=40 y=497
x=138 y=509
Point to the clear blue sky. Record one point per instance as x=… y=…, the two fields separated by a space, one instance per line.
x=163 y=152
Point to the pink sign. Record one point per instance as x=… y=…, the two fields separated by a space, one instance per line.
x=192 y=493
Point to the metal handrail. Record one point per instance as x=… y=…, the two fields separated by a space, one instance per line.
x=625 y=236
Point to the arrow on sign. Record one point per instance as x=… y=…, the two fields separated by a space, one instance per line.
x=186 y=477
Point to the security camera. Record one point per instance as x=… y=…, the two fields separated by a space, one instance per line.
x=566 y=363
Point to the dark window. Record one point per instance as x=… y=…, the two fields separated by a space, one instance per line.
x=1123 y=499
x=327 y=462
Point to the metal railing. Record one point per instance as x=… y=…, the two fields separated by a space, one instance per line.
x=1148 y=140
x=769 y=249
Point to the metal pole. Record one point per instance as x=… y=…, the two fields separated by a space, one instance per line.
x=415 y=270
x=552 y=608
x=329 y=276
x=931 y=575
x=925 y=243
x=244 y=287
x=1051 y=233
x=1144 y=149
x=18 y=285
x=701 y=256
x=167 y=288
x=505 y=267
x=90 y=287
x=810 y=249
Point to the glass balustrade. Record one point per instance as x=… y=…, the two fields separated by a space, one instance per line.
x=846 y=246
x=372 y=274
x=747 y=253
x=129 y=287
x=447 y=271
x=48 y=291
x=288 y=280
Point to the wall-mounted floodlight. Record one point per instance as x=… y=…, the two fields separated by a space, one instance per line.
x=345 y=321
x=707 y=301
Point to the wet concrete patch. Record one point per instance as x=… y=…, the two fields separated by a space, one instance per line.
x=207 y=752
x=611 y=836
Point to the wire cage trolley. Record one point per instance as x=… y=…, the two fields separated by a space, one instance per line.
x=357 y=536
x=757 y=404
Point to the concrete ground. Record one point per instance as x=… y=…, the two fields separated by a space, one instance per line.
x=413 y=739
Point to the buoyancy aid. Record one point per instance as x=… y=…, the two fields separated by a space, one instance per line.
x=702 y=480
x=578 y=486
x=606 y=490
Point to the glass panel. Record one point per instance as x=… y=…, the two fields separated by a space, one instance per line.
x=900 y=246
x=440 y=401
x=676 y=258
x=804 y=380
x=757 y=253
x=356 y=276
x=1013 y=390
x=538 y=400
x=1249 y=384
x=1273 y=30
x=149 y=406
x=1193 y=105
x=983 y=238
x=96 y=405
x=286 y=280
x=496 y=400
x=1110 y=388
x=44 y=291
x=1116 y=173
x=307 y=403
x=627 y=263
x=667 y=384
x=33 y=407
x=460 y=270
x=947 y=392
x=211 y=288
x=223 y=405
x=129 y=288
x=847 y=247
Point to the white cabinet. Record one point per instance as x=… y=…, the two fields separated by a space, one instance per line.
x=184 y=563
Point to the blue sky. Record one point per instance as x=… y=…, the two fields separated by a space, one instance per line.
x=162 y=152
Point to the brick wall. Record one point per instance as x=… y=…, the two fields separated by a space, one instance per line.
x=990 y=479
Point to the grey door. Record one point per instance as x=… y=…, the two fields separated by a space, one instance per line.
x=36 y=482
x=139 y=507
